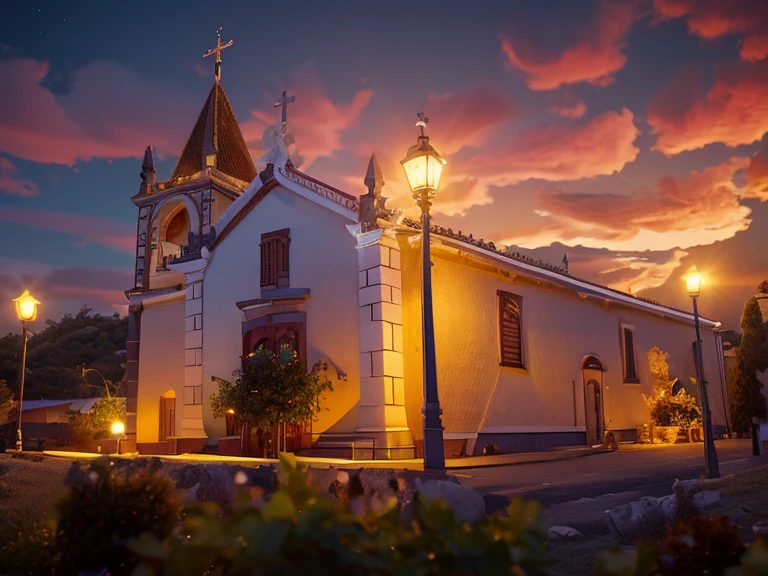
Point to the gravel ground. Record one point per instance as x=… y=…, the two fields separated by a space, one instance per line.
x=33 y=483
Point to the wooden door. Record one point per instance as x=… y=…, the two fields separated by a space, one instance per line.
x=167 y=418
x=593 y=413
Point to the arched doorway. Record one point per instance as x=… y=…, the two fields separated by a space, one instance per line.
x=594 y=419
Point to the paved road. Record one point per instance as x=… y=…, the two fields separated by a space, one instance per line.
x=571 y=488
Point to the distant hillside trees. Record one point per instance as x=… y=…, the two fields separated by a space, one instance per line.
x=744 y=392
x=56 y=355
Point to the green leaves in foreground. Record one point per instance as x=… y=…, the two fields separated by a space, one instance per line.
x=301 y=531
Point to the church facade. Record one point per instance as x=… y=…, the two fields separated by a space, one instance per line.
x=228 y=259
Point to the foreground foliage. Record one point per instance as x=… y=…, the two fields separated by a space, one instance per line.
x=301 y=531
x=104 y=508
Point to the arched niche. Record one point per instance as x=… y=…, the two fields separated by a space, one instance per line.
x=172 y=221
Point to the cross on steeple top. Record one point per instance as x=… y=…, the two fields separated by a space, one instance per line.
x=283 y=102
x=217 y=51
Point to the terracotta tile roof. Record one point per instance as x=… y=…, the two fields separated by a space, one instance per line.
x=491 y=247
x=216 y=132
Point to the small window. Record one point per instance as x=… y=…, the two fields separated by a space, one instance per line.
x=628 y=356
x=274 y=259
x=511 y=330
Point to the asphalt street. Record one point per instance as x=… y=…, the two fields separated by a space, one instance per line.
x=577 y=491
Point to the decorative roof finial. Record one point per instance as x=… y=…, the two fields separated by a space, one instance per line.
x=423 y=121
x=148 y=175
x=374 y=179
x=217 y=51
x=565 y=262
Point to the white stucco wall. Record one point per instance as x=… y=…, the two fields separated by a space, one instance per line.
x=559 y=329
x=161 y=365
x=323 y=259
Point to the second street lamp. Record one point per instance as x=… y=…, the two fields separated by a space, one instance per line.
x=26 y=310
x=423 y=167
x=711 y=467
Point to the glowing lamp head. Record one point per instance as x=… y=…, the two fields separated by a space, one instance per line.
x=230 y=411
x=26 y=307
x=693 y=283
x=118 y=428
x=423 y=167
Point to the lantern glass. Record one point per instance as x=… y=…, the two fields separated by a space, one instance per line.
x=693 y=284
x=26 y=307
x=423 y=171
x=118 y=428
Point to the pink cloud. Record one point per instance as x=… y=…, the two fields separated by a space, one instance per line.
x=733 y=111
x=700 y=209
x=464 y=118
x=111 y=233
x=594 y=57
x=317 y=123
x=10 y=183
x=110 y=112
x=710 y=19
x=574 y=110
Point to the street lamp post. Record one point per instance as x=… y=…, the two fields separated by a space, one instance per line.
x=423 y=167
x=26 y=310
x=118 y=431
x=711 y=467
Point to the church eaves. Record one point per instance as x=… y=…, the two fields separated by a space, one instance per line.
x=216 y=142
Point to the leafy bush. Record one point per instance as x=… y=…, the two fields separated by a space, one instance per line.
x=301 y=531
x=83 y=428
x=667 y=408
x=269 y=389
x=104 y=508
x=25 y=547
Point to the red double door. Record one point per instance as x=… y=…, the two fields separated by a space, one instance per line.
x=283 y=339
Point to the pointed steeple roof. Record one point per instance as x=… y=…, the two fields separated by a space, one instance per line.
x=216 y=141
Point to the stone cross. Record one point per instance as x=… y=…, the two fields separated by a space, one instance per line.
x=284 y=101
x=217 y=51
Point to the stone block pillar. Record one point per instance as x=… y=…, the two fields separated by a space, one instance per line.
x=382 y=391
x=132 y=375
x=192 y=397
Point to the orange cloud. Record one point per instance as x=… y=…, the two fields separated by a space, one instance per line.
x=734 y=110
x=557 y=152
x=114 y=234
x=10 y=183
x=594 y=58
x=682 y=212
x=710 y=19
x=317 y=123
x=757 y=177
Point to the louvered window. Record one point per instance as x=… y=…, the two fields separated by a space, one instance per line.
x=274 y=259
x=511 y=329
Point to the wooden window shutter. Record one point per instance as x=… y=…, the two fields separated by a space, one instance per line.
x=510 y=330
x=275 y=259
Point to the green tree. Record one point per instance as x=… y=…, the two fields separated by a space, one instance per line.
x=270 y=389
x=746 y=400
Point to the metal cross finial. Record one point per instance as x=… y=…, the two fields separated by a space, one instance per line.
x=217 y=51
x=284 y=101
x=423 y=121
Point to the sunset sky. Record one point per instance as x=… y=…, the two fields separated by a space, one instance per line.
x=631 y=134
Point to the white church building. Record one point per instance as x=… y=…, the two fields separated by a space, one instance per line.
x=229 y=259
